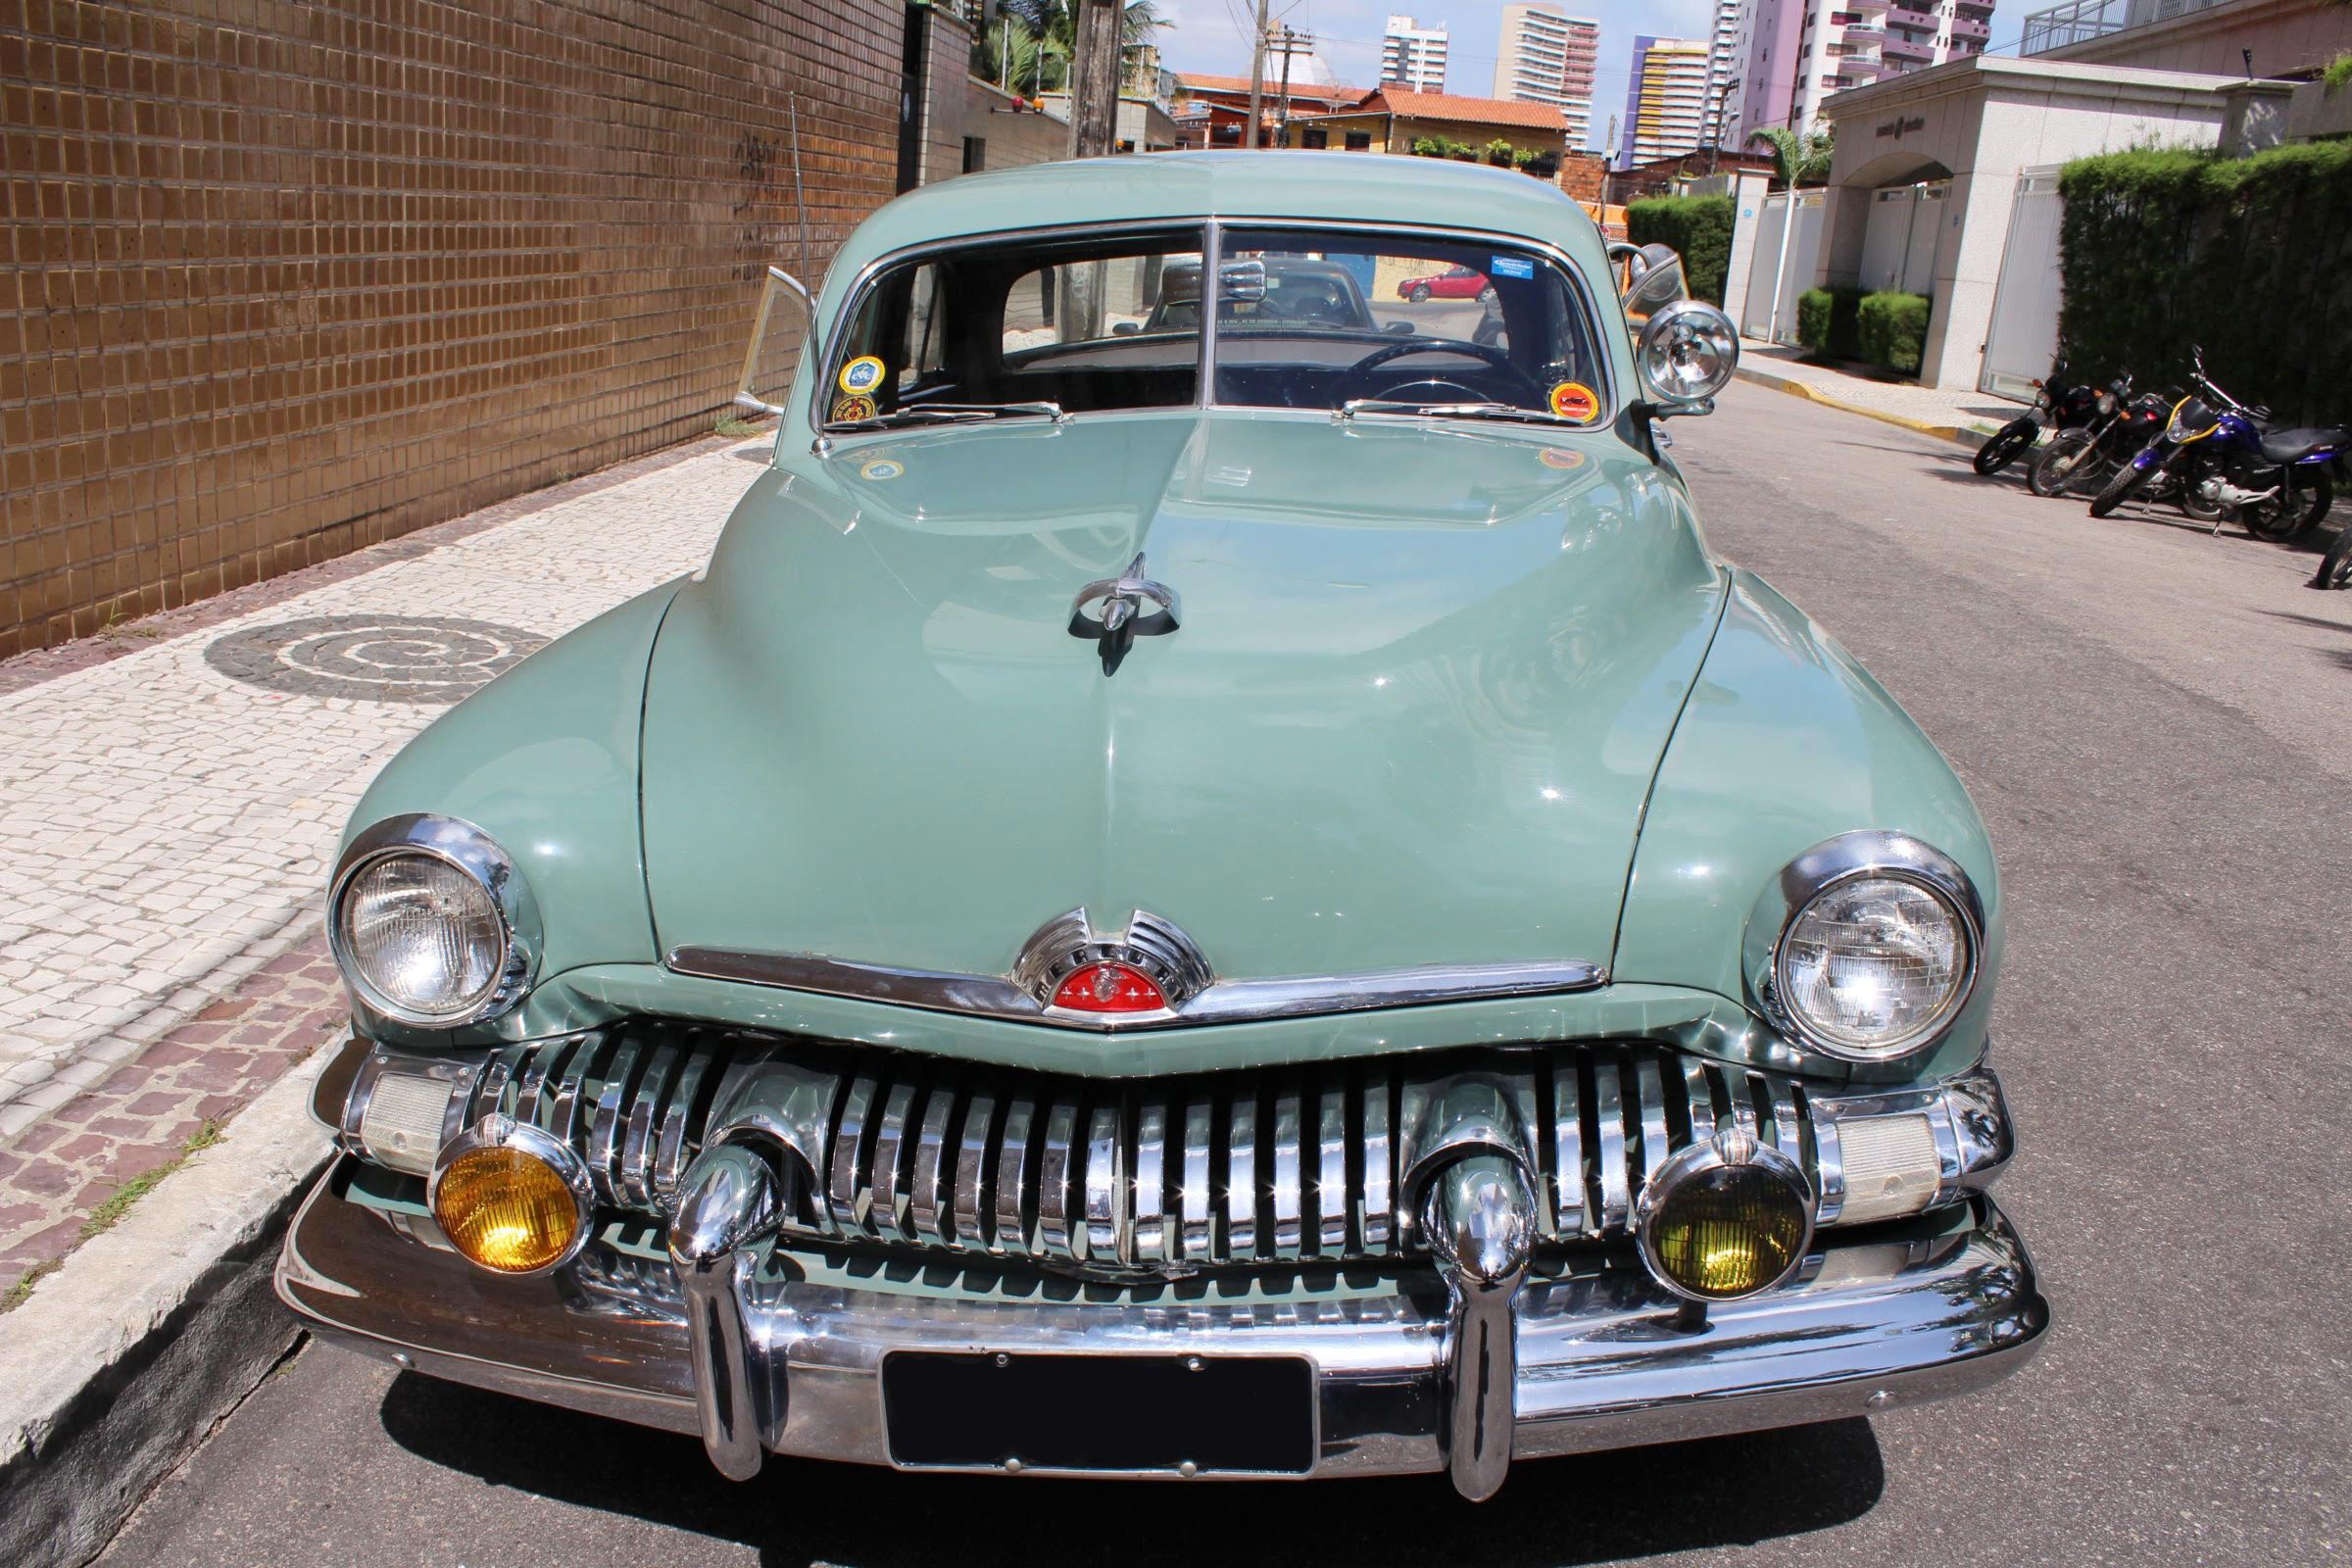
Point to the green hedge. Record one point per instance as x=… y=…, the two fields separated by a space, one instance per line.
x=1891 y=327
x=1825 y=321
x=1699 y=228
x=2249 y=257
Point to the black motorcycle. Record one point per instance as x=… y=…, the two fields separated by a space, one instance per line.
x=2054 y=403
x=2081 y=461
x=2335 y=568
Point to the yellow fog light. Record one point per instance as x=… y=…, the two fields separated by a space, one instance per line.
x=1725 y=1219
x=510 y=1198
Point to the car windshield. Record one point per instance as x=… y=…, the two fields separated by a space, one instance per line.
x=1470 y=326
x=1030 y=326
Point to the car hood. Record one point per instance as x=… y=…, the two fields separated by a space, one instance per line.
x=1422 y=681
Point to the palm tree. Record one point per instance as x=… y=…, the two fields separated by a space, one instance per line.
x=1802 y=160
x=1034 y=39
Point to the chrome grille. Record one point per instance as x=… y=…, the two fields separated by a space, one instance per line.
x=1268 y=1165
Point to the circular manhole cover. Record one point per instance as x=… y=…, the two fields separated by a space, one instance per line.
x=384 y=659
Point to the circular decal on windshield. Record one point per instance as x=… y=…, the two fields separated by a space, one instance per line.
x=849 y=406
x=1573 y=400
x=1561 y=457
x=861 y=375
x=881 y=469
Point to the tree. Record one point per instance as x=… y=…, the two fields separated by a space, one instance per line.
x=1029 y=49
x=1803 y=160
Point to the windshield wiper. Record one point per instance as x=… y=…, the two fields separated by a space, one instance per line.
x=1447 y=410
x=950 y=413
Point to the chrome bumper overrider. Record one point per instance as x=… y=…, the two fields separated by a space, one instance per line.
x=791 y=1342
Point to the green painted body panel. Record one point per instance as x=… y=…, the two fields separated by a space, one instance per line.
x=1786 y=742
x=1421 y=685
x=544 y=760
x=1441 y=689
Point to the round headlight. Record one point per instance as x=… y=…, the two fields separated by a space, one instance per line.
x=423 y=936
x=510 y=1198
x=430 y=923
x=1873 y=964
x=1725 y=1219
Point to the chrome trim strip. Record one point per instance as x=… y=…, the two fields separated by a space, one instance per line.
x=1224 y=1001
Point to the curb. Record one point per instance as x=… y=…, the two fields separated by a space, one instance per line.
x=126 y=1358
x=1971 y=439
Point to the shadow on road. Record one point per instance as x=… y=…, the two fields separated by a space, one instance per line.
x=1555 y=1512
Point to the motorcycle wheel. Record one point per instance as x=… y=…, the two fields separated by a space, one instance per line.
x=2069 y=463
x=2006 y=443
x=2335 y=568
x=2296 y=511
x=2118 y=490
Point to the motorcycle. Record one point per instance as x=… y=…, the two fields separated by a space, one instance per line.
x=2335 y=568
x=2228 y=464
x=2084 y=459
x=2054 y=403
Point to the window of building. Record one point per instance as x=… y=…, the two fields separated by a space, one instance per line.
x=1314 y=136
x=975 y=154
x=1359 y=141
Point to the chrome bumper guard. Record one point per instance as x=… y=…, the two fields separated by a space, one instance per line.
x=1463 y=1367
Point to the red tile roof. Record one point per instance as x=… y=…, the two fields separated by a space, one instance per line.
x=1272 y=87
x=1407 y=105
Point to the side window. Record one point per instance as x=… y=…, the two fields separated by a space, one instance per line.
x=1082 y=302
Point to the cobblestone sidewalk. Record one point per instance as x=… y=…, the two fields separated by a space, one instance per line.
x=166 y=815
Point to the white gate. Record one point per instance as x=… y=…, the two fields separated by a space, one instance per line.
x=2024 y=335
x=1903 y=235
x=1782 y=268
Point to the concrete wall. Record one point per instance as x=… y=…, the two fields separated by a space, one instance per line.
x=288 y=278
x=1981 y=121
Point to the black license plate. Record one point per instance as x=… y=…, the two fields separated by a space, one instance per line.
x=1100 y=1412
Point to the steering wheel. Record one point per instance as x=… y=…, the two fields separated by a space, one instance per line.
x=1434 y=383
x=1352 y=378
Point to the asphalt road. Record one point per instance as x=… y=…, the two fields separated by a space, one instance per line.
x=2158 y=726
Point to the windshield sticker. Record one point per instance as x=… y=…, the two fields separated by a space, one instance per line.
x=848 y=407
x=881 y=469
x=1573 y=400
x=1510 y=266
x=861 y=375
x=1563 y=457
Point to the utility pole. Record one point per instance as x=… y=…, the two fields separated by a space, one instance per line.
x=1293 y=40
x=1095 y=79
x=1257 y=79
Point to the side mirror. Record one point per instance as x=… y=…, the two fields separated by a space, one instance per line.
x=1398 y=329
x=1686 y=353
x=779 y=281
x=1125 y=328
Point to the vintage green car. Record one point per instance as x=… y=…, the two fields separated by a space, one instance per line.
x=1192 y=893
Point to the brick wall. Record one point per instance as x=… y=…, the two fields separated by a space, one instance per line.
x=284 y=280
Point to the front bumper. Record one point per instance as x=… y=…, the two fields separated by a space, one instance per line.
x=1936 y=1306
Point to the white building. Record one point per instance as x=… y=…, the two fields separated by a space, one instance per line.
x=1665 y=99
x=1723 y=74
x=1548 y=57
x=1413 y=56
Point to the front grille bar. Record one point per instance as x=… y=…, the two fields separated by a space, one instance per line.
x=1161 y=1175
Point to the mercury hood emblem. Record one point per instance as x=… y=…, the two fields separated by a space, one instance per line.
x=1150 y=968
x=1122 y=618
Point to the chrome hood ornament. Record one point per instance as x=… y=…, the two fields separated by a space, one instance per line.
x=1148 y=972
x=1124 y=618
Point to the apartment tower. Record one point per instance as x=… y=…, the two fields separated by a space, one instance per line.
x=1791 y=54
x=1665 y=99
x=1548 y=57
x=1412 y=56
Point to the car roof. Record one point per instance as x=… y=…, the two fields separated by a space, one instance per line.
x=1285 y=184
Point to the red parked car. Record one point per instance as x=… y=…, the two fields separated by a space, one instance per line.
x=1454 y=284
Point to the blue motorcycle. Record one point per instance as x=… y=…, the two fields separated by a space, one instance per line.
x=2221 y=460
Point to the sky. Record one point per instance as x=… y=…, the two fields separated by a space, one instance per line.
x=1213 y=36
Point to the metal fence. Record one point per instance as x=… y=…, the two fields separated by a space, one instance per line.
x=2081 y=21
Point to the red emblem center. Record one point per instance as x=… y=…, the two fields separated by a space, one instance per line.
x=1109 y=988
